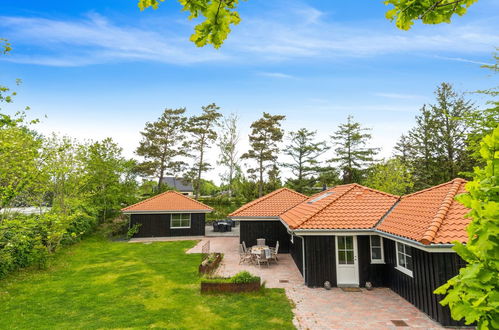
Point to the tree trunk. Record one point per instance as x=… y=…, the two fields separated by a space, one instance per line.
x=260 y=184
x=198 y=181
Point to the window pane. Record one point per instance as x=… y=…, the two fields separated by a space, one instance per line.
x=376 y=253
x=401 y=258
x=375 y=241
x=408 y=260
x=400 y=247
x=341 y=242
x=349 y=242
x=175 y=223
x=349 y=257
x=341 y=257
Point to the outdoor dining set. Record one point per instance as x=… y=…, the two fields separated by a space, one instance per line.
x=223 y=225
x=259 y=253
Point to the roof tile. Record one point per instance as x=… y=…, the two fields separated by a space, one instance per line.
x=167 y=201
x=270 y=205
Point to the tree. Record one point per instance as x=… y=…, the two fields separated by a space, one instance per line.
x=390 y=176
x=220 y=15
x=228 y=149
x=351 y=154
x=304 y=152
x=203 y=134
x=474 y=293
x=266 y=134
x=403 y=150
x=163 y=143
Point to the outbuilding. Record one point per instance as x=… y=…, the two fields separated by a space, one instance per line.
x=168 y=214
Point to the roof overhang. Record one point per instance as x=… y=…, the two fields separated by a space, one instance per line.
x=167 y=211
x=255 y=218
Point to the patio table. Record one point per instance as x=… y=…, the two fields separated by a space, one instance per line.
x=257 y=249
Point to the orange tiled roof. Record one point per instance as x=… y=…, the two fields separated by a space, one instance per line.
x=270 y=205
x=430 y=216
x=349 y=206
x=168 y=201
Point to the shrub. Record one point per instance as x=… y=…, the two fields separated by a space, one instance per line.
x=244 y=277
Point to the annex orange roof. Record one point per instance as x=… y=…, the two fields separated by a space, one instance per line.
x=270 y=205
x=168 y=201
x=349 y=206
x=430 y=216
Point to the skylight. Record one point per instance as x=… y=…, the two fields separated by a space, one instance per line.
x=318 y=198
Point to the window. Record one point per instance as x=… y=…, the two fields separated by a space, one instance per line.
x=377 y=256
x=182 y=220
x=345 y=250
x=404 y=259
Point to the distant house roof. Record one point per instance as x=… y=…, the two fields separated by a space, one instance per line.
x=177 y=183
x=168 y=202
x=270 y=205
x=430 y=216
x=25 y=210
x=349 y=206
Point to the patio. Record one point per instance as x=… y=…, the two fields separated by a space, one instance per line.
x=319 y=308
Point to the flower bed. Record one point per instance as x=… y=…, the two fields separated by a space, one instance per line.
x=241 y=282
x=210 y=263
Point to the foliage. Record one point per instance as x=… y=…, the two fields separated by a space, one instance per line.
x=133 y=230
x=218 y=15
x=222 y=205
x=405 y=12
x=227 y=145
x=163 y=143
x=5 y=46
x=245 y=277
x=304 y=151
x=97 y=276
x=351 y=154
x=266 y=134
x=390 y=176
x=202 y=129
x=474 y=293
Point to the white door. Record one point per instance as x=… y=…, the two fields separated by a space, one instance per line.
x=347 y=269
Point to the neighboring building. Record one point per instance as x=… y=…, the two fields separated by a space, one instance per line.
x=168 y=214
x=26 y=210
x=179 y=184
x=350 y=234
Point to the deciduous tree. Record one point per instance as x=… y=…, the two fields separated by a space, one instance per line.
x=229 y=156
x=266 y=134
x=390 y=176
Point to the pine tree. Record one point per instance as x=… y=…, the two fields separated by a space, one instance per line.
x=265 y=136
x=351 y=154
x=304 y=152
x=163 y=144
x=202 y=129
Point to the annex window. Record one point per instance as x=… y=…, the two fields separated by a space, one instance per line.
x=404 y=259
x=377 y=255
x=181 y=220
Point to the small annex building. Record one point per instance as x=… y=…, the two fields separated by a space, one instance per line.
x=168 y=214
x=350 y=235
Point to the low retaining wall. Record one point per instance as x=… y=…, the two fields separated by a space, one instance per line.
x=208 y=268
x=229 y=287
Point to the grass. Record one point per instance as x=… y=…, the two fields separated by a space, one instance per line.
x=103 y=284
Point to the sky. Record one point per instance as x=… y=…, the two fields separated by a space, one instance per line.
x=93 y=69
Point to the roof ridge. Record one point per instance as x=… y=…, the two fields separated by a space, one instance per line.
x=435 y=224
x=264 y=197
x=435 y=187
x=353 y=185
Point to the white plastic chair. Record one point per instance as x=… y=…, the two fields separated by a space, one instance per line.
x=260 y=241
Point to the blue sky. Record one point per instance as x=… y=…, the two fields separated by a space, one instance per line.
x=103 y=68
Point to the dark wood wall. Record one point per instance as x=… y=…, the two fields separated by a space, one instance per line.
x=374 y=273
x=296 y=251
x=430 y=271
x=158 y=225
x=320 y=260
x=271 y=230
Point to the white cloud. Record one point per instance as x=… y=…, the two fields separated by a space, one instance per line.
x=275 y=75
x=465 y=60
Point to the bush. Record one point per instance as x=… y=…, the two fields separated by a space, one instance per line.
x=244 y=277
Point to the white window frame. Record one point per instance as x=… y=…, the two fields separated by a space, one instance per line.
x=180 y=214
x=399 y=267
x=377 y=261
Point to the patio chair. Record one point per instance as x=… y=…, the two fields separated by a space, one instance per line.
x=215 y=226
x=274 y=252
x=260 y=241
x=244 y=256
x=245 y=248
x=262 y=258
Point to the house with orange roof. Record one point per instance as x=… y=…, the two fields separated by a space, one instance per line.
x=352 y=236
x=168 y=214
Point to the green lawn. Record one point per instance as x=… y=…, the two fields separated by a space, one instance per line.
x=102 y=284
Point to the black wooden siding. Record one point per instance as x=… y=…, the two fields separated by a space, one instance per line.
x=320 y=260
x=430 y=271
x=271 y=230
x=296 y=251
x=158 y=225
x=374 y=273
